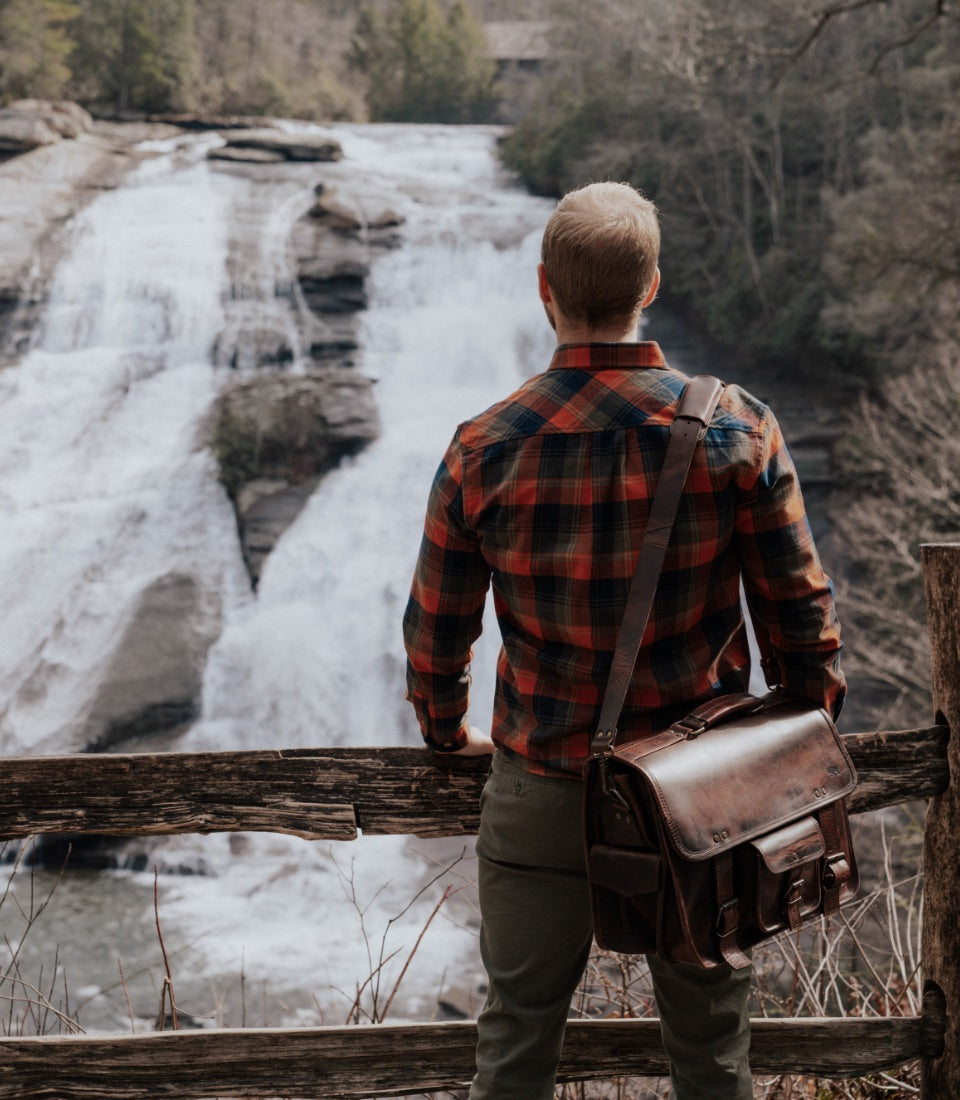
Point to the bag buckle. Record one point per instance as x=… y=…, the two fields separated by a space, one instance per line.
x=836 y=870
x=690 y=727
x=728 y=918
x=606 y=783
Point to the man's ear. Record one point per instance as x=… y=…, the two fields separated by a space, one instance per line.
x=546 y=296
x=652 y=292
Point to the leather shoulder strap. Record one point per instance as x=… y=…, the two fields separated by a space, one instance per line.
x=689 y=426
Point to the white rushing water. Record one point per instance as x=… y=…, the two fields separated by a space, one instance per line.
x=104 y=488
x=102 y=485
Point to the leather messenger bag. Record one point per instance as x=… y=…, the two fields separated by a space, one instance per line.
x=729 y=826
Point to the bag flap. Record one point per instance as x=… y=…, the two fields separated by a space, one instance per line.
x=744 y=777
x=789 y=847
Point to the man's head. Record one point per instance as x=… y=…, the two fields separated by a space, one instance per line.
x=600 y=251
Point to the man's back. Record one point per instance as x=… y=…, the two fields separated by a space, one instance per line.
x=547 y=493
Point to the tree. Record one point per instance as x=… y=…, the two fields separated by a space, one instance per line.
x=136 y=54
x=274 y=57
x=902 y=227
x=35 y=48
x=421 y=65
x=897 y=488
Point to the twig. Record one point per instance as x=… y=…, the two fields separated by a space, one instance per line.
x=375 y=973
x=126 y=994
x=448 y=891
x=35 y=998
x=167 y=988
x=243 y=988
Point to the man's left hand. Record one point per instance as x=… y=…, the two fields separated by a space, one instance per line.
x=479 y=744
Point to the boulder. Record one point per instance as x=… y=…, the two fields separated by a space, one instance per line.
x=337 y=215
x=301 y=147
x=275 y=435
x=361 y=214
x=153 y=680
x=69 y=119
x=21 y=133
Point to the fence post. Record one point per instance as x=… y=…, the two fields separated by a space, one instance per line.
x=940 y=947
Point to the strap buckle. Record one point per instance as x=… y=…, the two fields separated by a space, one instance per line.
x=836 y=870
x=728 y=918
x=690 y=726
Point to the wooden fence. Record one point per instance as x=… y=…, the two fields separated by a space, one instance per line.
x=336 y=792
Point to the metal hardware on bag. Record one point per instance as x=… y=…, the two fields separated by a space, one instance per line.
x=795 y=893
x=792 y=903
x=836 y=870
x=604 y=740
x=728 y=919
x=691 y=727
x=609 y=789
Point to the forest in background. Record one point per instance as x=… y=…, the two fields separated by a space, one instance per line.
x=804 y=154
x=285 y=58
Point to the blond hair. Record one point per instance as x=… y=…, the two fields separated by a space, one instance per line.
x=600 y=250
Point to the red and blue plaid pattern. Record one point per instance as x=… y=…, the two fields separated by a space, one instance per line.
x=546 y=496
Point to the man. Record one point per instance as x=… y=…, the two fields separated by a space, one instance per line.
x=546 y=494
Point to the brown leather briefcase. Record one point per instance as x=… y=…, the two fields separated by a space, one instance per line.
x=729 y=826
x=719 y=832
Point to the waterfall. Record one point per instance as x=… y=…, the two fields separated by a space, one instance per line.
x=105 y=491
x=103 y=488
x=454 y=324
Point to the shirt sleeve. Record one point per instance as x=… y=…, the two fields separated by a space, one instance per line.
x=788 y=592
x=444 y=613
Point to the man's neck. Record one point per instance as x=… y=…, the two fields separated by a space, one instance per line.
x=572 y=333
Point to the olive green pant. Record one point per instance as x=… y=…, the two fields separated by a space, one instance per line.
x=535 y=939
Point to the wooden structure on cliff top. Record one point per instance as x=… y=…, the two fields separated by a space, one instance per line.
x=333 y=793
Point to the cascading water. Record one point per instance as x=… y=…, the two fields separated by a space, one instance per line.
x=104 y=489
x=454 y=324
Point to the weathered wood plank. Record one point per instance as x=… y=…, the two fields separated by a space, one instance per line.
x=356 y=1062
x=313 y=793
x=330 y=793
x=896 y=766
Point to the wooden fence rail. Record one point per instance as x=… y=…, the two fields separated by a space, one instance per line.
x=336 y=793
x=331 y=794
x=351 y=1063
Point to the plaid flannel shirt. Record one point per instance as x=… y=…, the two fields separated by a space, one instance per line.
x=546 y=496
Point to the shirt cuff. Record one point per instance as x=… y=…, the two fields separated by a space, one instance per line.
x=440 y=744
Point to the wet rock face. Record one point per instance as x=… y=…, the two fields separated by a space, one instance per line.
x=275 y=435
x=333 y=244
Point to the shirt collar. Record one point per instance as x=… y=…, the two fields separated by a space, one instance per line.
x=646 y=353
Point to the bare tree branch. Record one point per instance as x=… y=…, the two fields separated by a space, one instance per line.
x=939 y=10
x=827 y=15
